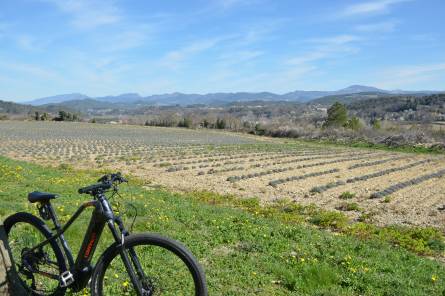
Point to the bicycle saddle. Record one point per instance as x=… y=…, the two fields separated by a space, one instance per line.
x=40 y=196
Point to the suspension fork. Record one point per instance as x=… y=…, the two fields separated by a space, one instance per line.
x=131 y=251
x=111 y=219
x=124 y=256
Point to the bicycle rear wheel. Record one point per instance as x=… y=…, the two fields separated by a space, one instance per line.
x=38 y=271
x=168 y=269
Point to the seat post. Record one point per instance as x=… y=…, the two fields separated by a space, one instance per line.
x=53 y=215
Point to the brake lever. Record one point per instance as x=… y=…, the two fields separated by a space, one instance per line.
x=104 y=178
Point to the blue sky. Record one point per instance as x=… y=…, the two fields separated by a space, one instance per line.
x=98 y=48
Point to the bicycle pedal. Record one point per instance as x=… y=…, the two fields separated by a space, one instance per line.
x=66 y=279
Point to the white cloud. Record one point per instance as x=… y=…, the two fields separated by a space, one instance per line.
x=125 y=39
x=174 y=59
x=275 y=80
x=384 y=27
x=261 y=30
x=326 y=48
x=336 y=40
x=30 y=43
x=370 y=7
x=238 y=57
x=89 y=13
x=404 y=76
x=308 y=57
x=417 y=70
x=34 y=71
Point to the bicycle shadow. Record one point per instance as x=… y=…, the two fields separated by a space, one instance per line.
x=9 y=281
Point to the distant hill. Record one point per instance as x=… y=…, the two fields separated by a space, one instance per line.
x=305 y=96
x=133 y=100
x=364 y=96
x=380 y=106
x=15 y=108
x=81 y=105
x=127 y=98
x=348 y=98
x=12 y=108
x=57 y=99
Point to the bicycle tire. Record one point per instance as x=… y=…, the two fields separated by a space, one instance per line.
x=147 y=239
x=40 y=226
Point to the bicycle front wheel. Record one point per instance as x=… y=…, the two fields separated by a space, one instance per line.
x=163 y=267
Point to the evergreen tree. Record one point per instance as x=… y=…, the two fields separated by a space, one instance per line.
x=220 y=124
x=337 y=116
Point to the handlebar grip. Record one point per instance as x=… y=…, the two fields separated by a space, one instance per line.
x=94 y=188
x=116 y=177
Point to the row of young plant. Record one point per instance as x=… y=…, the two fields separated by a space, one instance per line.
x=313 y=157
x=237 y=159
x=224 y=170
x=399 y=186
x=213 y=167
x=285 y=169
x=377 y=162
x=387 y=171
x=67 y=150
x=202 y=166
x=322 y=188
x=295 y=157
x=207 y=151
x=215 y=151
x=205 y=163
x=244 y=154
x=216 y=159
x=275 y=183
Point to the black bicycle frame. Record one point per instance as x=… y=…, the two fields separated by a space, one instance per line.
x=102 y=215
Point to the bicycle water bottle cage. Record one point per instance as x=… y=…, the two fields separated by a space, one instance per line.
x=44 y=210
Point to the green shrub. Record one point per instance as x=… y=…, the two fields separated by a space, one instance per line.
x=334 y=220
x=387 y=199
x=354 y=124
x=65 y=167
x=348 y=206
x=347 y=195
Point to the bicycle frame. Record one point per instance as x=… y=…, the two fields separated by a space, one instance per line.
x=102 y=215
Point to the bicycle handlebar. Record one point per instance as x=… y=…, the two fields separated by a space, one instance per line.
x=105 y=183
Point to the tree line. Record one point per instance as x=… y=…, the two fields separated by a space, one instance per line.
x=61 y=116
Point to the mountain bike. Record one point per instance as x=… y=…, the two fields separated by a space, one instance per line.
x=134 y=264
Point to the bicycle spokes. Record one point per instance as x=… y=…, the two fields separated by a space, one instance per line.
x=38 y=269
x=162 y=273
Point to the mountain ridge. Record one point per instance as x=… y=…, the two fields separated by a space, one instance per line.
x=178 y=98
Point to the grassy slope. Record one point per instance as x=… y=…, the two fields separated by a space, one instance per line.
x=243 y=253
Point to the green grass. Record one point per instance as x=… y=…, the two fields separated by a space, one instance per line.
x=247 y=249
x=367 y=145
